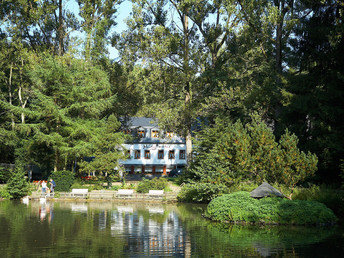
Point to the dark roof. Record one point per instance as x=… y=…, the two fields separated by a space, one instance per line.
x=138 y=121
x=265 y=190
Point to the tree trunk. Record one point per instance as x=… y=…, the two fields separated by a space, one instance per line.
x=10 y=95
x=188 y=140
x=60 y=30
x=56 y=163
x=88 y=46
x=20 y=92
x=279 y=48
x=188 y=91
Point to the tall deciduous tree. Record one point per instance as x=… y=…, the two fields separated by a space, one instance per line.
x=98 y=19
x=174 y=41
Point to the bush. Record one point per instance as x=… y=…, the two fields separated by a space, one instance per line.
x=201 y=192
x=17 y=185
x=63 y=179
x=4 y=194
x=155 y=184
x=332 y=198
x=5 y=174
x=240 y=207
x=81 y=184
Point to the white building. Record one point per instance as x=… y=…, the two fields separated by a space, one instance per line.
x=152 y=150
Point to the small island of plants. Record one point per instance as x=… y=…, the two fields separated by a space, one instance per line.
x=239 y=207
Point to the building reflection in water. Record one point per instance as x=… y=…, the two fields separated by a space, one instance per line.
x=149 y=231
x=79 y=207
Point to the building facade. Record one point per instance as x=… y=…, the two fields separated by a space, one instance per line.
x=152 y=150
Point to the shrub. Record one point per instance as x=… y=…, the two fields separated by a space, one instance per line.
x=5 y=174
x=201 y=192
x=243 y=186
x=240 y=207
x=81 y=184
x=332 y=198
x=155 y=184
x=63 y=179
x=17 y=185
x=4 y=194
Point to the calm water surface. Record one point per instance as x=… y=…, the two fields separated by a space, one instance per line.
x=107 y=229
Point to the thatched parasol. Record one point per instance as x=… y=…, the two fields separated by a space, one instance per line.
x=265 y=190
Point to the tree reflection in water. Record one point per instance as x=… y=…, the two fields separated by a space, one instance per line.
x=119 y=230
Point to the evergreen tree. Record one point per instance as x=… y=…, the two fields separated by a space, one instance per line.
x=71 y=97
x=314 y=109
x=107 y=151
x=229 y=153
x=17 y=185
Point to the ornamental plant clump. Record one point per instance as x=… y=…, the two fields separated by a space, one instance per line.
x=240 y=207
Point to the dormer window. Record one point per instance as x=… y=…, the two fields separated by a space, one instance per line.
x=141 y=133
x=155 y=133
x=169 y=135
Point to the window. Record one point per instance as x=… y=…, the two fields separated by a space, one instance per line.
x=141 y=133
x=128 y=154
x=155 y=133
x=161 y=154
x=169 y=135
x=147 y=154
x=171 y=154
x=182 y=154
x=137 y=154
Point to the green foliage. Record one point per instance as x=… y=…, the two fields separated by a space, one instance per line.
x=201 y=192
x=63 y=179
x=5 y=174
x=107 y=151
x=17 y=185
x=229 y=153
x=155 y=184
x=70 y=100
x=4 y=194
x=240 y=207
x=90 y=187
x=127 y=186
x=243 y=186
x=331 y=197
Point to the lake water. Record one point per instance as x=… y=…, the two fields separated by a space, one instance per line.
x=109 y=229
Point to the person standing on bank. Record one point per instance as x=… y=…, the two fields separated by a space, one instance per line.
x=52 y=185
x=44 y=187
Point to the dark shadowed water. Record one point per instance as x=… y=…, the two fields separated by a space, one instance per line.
x=108 y=229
